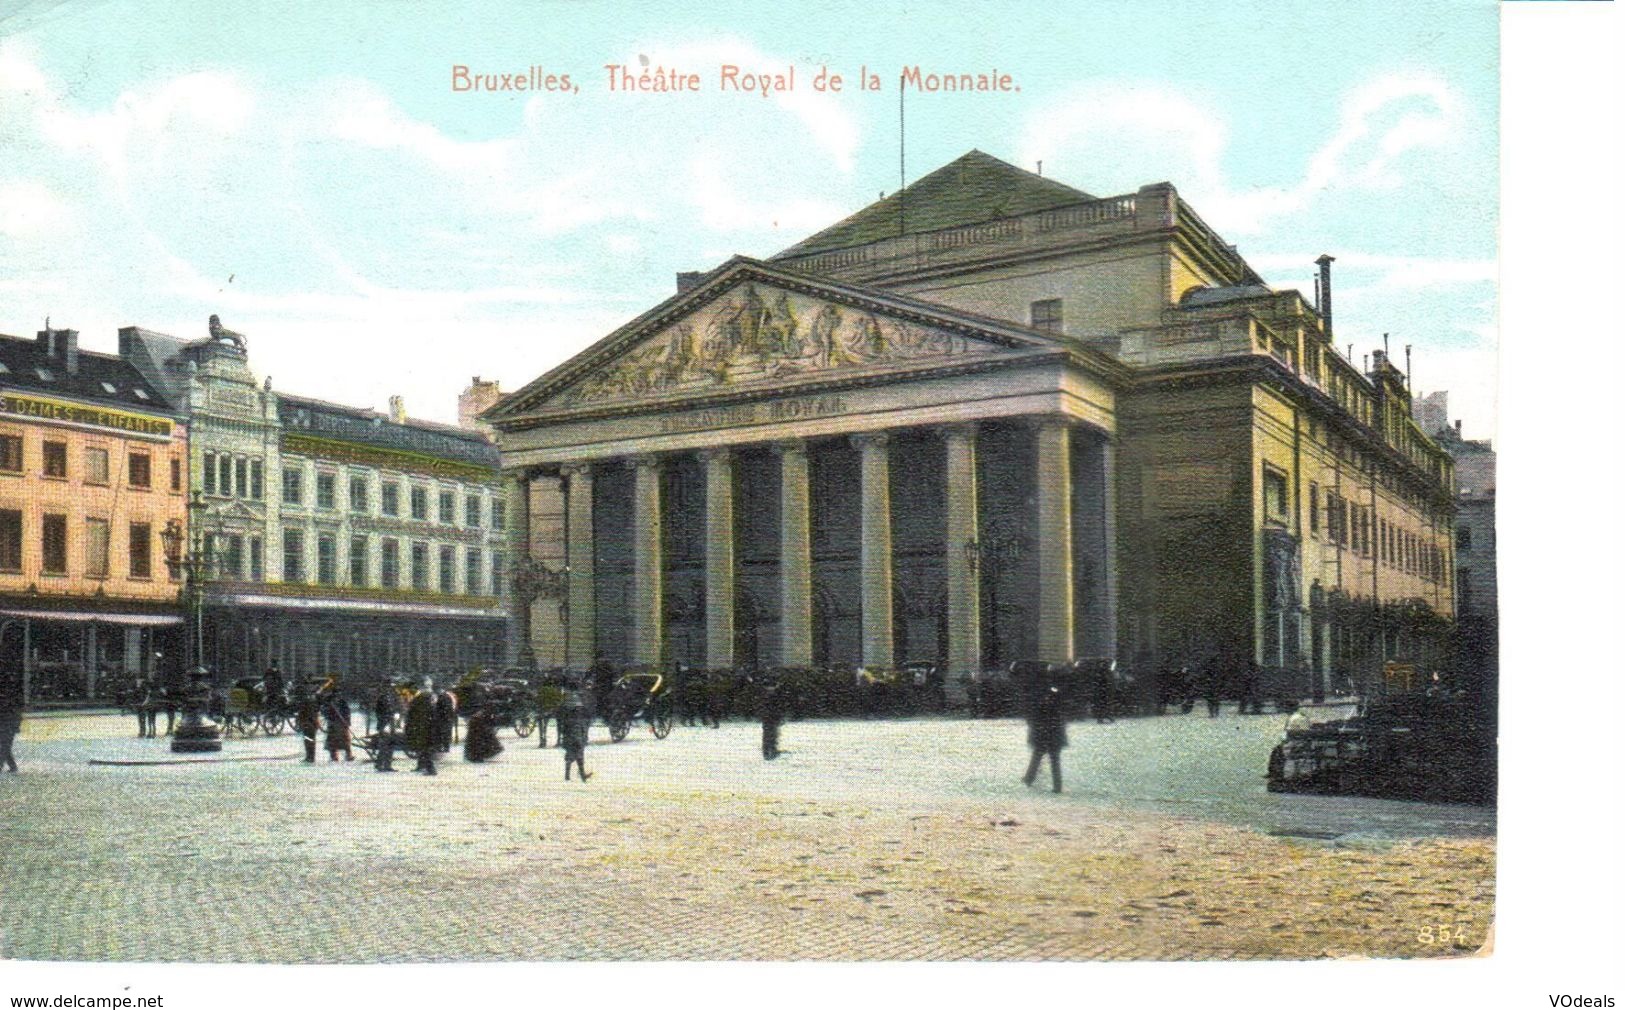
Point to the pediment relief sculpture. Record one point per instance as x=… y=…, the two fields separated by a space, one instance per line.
x=762 y=333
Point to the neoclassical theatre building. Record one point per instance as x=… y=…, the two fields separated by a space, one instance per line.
x=990 y=417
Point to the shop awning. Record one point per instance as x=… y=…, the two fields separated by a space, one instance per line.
x=128 y=620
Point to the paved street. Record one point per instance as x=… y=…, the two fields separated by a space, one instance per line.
x=910 y=839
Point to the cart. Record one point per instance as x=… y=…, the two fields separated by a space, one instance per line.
x=639 y=694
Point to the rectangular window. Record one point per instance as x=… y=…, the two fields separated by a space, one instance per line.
x=472 y=576
x=326 y=490
x=448 y=508
x=293 y=486
x=256 y=559
x=11 y=453
x=496 y=574
x=225 y=475
x=1464 y=538
x=358 y=561
x=1314 y=507
x=55 y=459
x=174 y=473
x=420 y=567
x=1046 y=315
x=96 y=544
x=448 y=570
x=256 y=479
x=242 y=477
x=140 y=469
x=471 y=510
x=420 y=502
x=293 y=556
x=54 y=545
x=327 y=559
x=209 y=482
x=391 y=498
x=97 y=470
x=140 y=550
x=499 y=514
x=11 y=540
x=1275 y=495
x=390 y=563
x=231 y=556
x=358 y=493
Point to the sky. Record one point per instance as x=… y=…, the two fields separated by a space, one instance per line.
x=312 y=176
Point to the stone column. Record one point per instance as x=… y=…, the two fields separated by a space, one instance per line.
x=1108 y=547
x=516 y=492
x=876 y=561
x=1054 y=491
x=795 y=556
x=648 y=617
x=719 y=557
x=580 y=636
x=959 y=557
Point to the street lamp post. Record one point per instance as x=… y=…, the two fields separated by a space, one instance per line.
x=195 y=733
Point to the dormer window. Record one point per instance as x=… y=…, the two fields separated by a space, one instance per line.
x=3 y=369
x=45 y=374
x=109 y=388
x=141 y=394
x=1046 y=315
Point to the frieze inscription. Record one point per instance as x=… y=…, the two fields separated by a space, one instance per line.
x=751 y=413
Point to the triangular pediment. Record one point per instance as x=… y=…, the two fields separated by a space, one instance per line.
x=749 y=326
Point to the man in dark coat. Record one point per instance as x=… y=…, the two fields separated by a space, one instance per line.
x=575 y=720
x=420 y=727
x=275 y=688
x=1102 y=682
x=11 y=717
x=307 y=720
x=772 y=709
x=1212 y=688
x=602 y=677
x=445 y=721
x=1249 y=690
x=1046 y=729
x=336 y=713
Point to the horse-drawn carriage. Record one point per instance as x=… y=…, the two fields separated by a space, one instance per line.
x=248 y=707
x=508 y=699
x=639 y=694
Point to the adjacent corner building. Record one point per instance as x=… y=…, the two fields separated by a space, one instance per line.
x=93 y=468
x=990 y=417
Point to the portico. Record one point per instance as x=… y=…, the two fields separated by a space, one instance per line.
x=770 y=470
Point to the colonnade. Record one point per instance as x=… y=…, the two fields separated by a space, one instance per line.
x=1053 y=504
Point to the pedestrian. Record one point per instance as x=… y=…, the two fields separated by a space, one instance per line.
x=386 y=708
x=1046 y=728
x=273 y=687
x=1211 y=688
x=481 y=744
x=146 y=709
x=336 y=713
x=420 y=726
x=771 y=709
x=445 y=721
x=602 y=674
x=1100 y=693
x=307 y=720
x=549 y=700
x=1249 y=691
x=575 y=719
x=11 y=717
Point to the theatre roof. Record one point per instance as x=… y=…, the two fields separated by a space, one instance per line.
x=973 y=189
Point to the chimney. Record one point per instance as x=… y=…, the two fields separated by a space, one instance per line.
x=1325 y=291
x=1458 y=427
x=688 y=280
x=479 y=397
x=397 y=409
x=62 y=345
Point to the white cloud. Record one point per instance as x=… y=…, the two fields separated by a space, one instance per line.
x=1380 y=125
x=29 y=209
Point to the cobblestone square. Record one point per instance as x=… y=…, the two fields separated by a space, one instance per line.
x=908 y=839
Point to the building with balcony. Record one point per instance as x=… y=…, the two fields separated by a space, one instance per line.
x=92 y=469
x=990 y=417
x=339 y=540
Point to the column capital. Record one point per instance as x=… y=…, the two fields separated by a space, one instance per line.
x=965 y=430
x=871 y=439
x=574 y=470
x=797 y=446
x=721 y=453
x=641 y=460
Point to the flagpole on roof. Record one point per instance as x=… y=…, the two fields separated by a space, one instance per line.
x=902 y=170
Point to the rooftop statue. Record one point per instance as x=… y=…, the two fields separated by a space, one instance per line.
x=222 y=335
